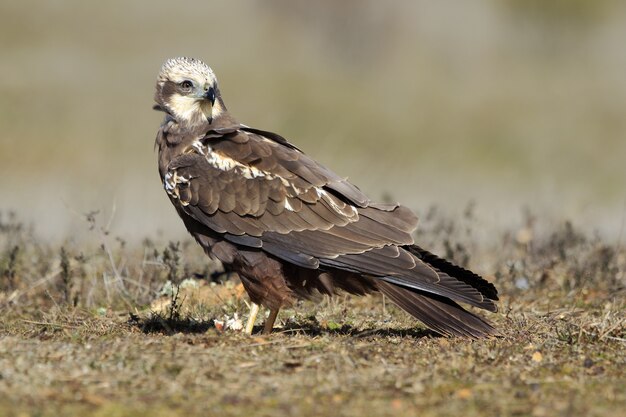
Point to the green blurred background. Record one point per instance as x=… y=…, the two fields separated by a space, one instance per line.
x=511 y=104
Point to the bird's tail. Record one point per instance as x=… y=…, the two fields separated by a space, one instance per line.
x=437 y=312
x=486 y=288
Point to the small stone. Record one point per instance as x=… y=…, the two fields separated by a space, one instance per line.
x=464 y=394
x=522 y=283
x=524 y=236
x=537 y=357
x=396 y=404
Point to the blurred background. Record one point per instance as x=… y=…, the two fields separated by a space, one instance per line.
x=514 y=105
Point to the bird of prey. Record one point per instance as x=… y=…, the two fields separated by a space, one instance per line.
x=290 y=227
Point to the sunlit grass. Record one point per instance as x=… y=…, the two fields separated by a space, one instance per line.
x=95 y=329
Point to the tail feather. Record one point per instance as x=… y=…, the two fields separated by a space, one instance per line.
x=487 y=289
x=439 y=313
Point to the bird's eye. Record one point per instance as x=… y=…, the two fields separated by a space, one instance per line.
x=186 y=85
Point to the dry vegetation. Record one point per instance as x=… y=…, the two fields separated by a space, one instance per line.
x=97 y=331
x=508 y=102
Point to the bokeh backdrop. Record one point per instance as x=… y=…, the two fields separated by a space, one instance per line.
x=515 y=105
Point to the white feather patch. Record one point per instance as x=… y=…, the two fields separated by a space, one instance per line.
x=171 y=182
x=322 y=194
x=224 y=163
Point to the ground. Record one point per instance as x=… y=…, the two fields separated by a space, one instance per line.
x=103 y=331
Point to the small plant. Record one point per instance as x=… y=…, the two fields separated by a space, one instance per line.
x=171 y=260
x=175 y=304
x=457 y=253
x=8 y=272
x=66 y=279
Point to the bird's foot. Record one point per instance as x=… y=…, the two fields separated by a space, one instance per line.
x=271 y=319
x=254 y=310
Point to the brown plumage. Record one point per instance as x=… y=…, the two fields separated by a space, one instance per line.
x=290 y=227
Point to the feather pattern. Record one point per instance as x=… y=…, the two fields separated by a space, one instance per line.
x=292 y=228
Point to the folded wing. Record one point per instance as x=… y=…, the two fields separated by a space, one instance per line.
x=257 y=190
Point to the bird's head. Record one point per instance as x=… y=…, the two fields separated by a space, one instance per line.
x=187 y=89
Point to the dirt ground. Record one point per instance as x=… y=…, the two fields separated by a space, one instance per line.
x=98 y=331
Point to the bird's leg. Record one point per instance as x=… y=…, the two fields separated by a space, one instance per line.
x=269 y=323
x=254 y=310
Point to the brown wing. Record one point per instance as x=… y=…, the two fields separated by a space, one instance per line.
x=257 y=190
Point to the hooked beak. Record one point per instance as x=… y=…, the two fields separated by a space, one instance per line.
x=210 y=95
x=207 y=97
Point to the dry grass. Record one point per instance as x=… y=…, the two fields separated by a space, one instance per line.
x=91 y=331
x=438 y=101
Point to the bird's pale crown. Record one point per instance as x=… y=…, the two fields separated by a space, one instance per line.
x=180 y=68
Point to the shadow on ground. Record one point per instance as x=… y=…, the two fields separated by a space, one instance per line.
x=169 y=325
x=309 y=327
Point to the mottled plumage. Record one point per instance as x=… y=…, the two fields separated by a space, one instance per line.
x=290 y=227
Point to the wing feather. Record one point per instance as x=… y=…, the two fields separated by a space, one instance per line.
x=258 y=192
